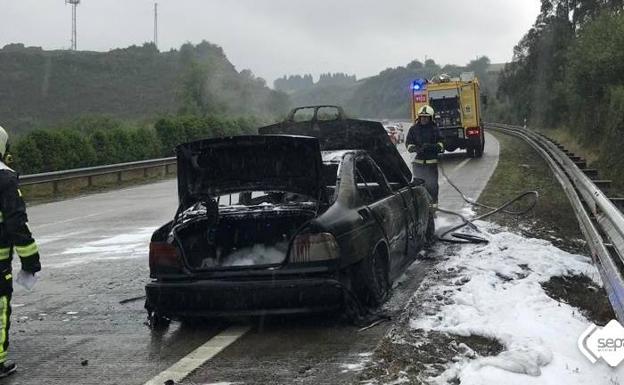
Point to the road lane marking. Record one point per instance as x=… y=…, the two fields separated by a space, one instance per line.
x=37 y=227
x=462 y=164
x=181 y=369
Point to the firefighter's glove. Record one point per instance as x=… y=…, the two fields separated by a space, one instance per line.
x=411 y=148
x=26 y=279
x=31 y=266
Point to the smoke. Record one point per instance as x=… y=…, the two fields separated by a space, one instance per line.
x=258 y=254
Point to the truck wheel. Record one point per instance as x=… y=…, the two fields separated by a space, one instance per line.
x=470 y=151
x=372 y=282
x=481 y=147
x=478 y=152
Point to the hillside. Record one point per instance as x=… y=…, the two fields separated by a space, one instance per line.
x=384 y=95
x=42 y=88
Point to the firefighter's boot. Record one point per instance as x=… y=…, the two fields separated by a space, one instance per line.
x=7 y=368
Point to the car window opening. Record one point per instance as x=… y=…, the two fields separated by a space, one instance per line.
x=370 y=183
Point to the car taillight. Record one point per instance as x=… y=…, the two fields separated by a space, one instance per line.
x=473 y=131
x=313 y=247
x=163 y=255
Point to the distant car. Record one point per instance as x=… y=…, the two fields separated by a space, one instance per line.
x=307 y=216
x=393 y=134
x=401 y=133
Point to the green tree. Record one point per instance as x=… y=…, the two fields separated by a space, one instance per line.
x=77 y=151
x=51 y=148
x=28 y=159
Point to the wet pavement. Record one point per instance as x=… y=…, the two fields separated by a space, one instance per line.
x=83 y=323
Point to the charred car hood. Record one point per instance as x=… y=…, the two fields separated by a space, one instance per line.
x=214 y=167
x=350 y=134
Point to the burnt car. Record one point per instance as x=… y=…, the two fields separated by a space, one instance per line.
x=310 y=215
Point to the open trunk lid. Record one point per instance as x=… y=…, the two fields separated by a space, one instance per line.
x=214 y=167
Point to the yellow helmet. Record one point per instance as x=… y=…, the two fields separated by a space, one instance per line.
x=426 y=111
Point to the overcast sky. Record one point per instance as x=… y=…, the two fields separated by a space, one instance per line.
x=276 y=37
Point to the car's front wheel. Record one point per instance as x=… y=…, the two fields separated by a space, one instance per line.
x=372 y=279
x=430 y=236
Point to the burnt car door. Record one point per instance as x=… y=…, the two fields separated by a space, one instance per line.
x=416 y=205
x=386 y=206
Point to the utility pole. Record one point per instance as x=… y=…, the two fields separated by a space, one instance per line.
x=74 y=36
x=156 y=25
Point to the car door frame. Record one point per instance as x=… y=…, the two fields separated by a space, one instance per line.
x=389 y=214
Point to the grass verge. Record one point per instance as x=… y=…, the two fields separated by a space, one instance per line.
x=520 y=169
x=593 y=157
x=581 y=292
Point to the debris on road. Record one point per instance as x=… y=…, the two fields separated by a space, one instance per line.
x=133 y=299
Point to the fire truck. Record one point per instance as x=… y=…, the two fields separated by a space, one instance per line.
x=457 y=106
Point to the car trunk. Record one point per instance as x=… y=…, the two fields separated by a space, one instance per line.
x=243 y=237
x=243 y=198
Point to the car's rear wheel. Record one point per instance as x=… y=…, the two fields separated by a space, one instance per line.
x=372 y=279
x=157 y=322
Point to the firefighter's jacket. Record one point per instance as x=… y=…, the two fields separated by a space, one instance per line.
x=15 y=235
x=427 y=141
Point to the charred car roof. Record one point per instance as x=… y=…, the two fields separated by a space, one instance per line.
x=341 y=133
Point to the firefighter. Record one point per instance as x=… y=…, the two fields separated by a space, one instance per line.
x=424 y=139
x=14 y=236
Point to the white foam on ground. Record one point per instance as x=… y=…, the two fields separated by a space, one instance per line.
x=121 y=246
x=539 y=334
x=362 y=361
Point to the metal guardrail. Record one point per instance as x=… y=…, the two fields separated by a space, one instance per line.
x=90 y=172
x=601 y=222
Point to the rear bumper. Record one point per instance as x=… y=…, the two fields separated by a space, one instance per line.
x=456 y=137
x=256 y=297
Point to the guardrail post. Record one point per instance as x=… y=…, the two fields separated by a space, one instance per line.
x=89 y=181
x=55 y=187
x=119 y=176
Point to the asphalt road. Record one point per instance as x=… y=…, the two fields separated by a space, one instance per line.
x=83 y=323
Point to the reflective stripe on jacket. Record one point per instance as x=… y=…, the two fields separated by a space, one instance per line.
x=14 y=231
